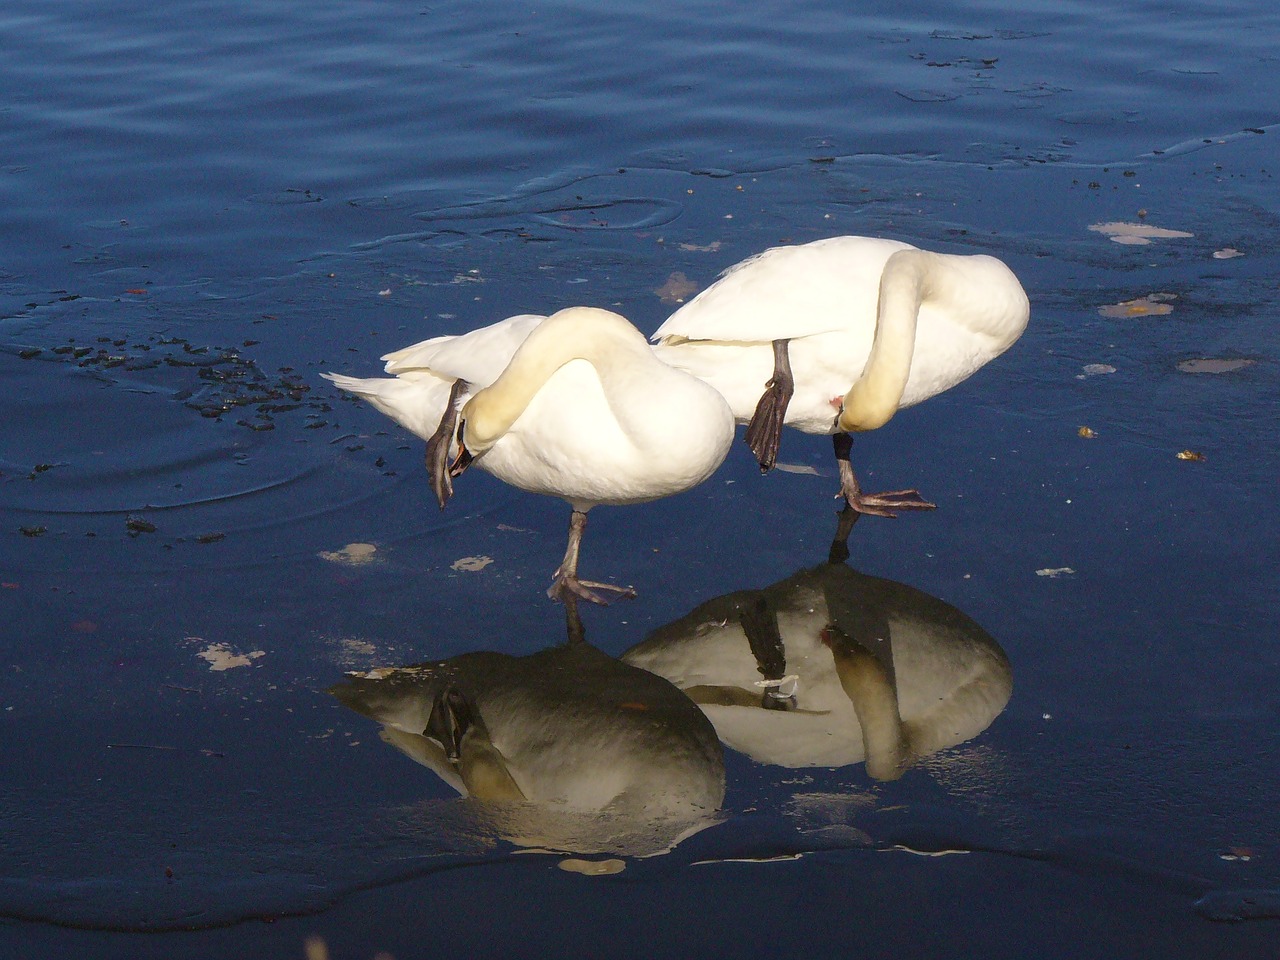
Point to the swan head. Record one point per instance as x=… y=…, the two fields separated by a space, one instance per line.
x=863 y=409
x=588 y=333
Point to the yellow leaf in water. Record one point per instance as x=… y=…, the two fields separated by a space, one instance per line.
x=221 y=657
x=353 y=554
x=1152 y=305
x=1088 y=433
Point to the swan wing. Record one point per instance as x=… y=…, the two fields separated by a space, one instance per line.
x=477 y=356
x=788 y=293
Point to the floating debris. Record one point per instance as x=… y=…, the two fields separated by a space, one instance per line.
x=471 y=564
x=677 y=287
x=927 y=96
x=1053 y=572
x=801 y=468
x=1214 y=365
x=1095 y=370
x=221 y=657
x=1226 y=253
x=1136 y=234
x=222 y=378
x=137 y=525
x=1087 y=433
x=1192 y=456
x=1152 y=305
x=352 y=555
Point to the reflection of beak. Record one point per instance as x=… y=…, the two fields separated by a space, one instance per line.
x=449 y=721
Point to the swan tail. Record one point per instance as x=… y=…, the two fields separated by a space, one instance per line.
x=417 y=403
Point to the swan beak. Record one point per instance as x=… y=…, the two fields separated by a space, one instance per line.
x=461 y=461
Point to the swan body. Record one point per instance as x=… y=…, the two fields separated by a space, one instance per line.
x=867 y=325
x=568 y=748
x=853 y=669
x=575 y=406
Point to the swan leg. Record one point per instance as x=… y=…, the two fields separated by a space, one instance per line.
x=761 y=628
x=764 y=432
x=565 y=584
x=876 y=504
x=439 y=444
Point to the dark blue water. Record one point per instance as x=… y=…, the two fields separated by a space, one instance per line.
x=203 y=207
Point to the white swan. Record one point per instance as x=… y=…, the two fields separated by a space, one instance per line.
x=831 y=667
x=834 y=336
x=568 y=748
x=575 y=406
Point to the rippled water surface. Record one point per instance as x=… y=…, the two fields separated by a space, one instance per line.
x=229 y=593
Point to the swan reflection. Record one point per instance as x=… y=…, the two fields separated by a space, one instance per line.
x=831 y=667
x=567 y=749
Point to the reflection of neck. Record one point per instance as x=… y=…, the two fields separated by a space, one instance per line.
x=871 y=690
x=484 y=769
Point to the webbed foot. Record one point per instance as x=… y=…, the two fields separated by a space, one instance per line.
x=438 y=447
x=764 y=432
x=875 y=504
x=569 y=589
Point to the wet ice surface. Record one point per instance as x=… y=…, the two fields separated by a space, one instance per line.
x=182 y=586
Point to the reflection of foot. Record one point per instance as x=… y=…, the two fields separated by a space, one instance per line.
x=845 y=520
x=568 y=589
x=764 y=432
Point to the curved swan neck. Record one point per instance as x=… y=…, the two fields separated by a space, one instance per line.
x=871 y=689
x=577 y=333
x=976 y=293
x=906 y=281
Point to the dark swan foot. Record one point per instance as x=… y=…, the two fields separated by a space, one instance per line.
x=569 y=589
x=875 y=504
x=764 y=432
x=438 y=447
